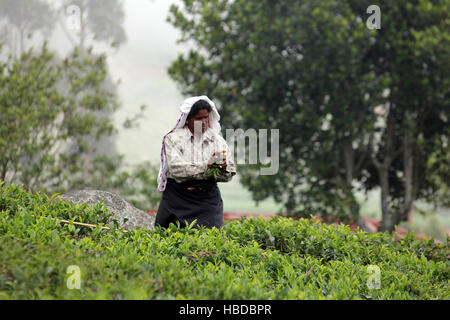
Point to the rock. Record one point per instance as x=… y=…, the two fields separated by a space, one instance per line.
x=116 y=205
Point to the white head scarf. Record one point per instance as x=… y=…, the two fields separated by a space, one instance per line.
x=185 y=108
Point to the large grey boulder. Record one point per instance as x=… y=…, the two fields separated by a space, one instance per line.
x=116 y=205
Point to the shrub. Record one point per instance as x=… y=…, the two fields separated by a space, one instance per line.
x=279 y=258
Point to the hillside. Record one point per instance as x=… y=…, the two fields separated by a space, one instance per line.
x=277 y=258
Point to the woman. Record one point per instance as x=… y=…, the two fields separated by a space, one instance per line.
x=192 y=147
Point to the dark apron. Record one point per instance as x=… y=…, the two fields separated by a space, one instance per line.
x=190 y=200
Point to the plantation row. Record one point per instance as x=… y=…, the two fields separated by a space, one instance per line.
x=279 y=258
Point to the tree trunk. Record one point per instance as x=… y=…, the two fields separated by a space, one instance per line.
x=4 y=169
x=349 y=162
x=387 y=220
x=388 y=217
x=408 y=173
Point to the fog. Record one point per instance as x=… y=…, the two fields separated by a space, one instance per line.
x=141 y=64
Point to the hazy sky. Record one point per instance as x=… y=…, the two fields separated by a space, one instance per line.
x=141 y=64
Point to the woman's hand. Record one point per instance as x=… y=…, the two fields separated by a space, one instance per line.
x=215 y=159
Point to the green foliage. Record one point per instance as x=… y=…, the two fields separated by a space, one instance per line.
x=19 y=19
x=56 y=124
x=216 y=168
x=438 y=171
x=46 y=105
x=138 y=185
x=247 y=259
x=315 y=71
x=214 y=171
x=276 y=65
x=39 y=96
x=105 y=20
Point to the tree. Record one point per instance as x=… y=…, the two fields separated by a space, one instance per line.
x=411 y=50
x=46 y=102
x=19 y=19
x=274 y=65
x=38 y=100
x=438 y=171
x=314 y=70
x=94 y=162
x=98 y=21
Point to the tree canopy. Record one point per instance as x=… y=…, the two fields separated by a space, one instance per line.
x=47 y=103
x=56 y=112
x=39 y=95
x=357 y=108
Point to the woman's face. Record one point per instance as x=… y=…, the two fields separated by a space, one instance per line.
x=202 y=116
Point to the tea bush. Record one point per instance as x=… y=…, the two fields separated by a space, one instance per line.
x=279 y=258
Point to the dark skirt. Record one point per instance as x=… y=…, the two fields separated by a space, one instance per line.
x=178 y=203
